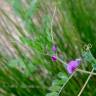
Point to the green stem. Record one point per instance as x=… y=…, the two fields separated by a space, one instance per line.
x=52 y=25
x=66 y=83
x=84 y=71
x=85 y=83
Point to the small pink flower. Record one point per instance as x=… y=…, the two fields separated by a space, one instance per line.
x=72 y=65
x=54 y=58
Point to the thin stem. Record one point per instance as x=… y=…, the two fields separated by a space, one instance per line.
x=52 y=24
x=85 y=83
x=61 y=61
x=84 y=71
x=66 y=83
x=57 y=58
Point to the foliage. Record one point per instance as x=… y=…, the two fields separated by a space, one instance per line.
x=27 y=33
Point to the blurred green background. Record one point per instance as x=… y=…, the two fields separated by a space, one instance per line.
x=28 y=30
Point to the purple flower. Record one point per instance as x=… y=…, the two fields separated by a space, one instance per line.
x=54 y=58
x=72 y=65
x=54 y=48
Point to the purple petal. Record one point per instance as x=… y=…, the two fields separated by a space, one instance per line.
x=54 y=48
x=72 y=65
x=54 y=58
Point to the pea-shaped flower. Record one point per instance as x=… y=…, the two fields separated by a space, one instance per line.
x=54 y=48
x=72 y=65
x=54 y=58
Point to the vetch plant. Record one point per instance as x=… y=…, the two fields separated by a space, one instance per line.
x=32 y=20
x=54 y=58
x=72 y=65
x=54 y=48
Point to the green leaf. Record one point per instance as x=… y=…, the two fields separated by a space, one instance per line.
x=58 y=82
x=54 y=88
x=19 y=63
x=52 y=94
x=94 y=66
x=87 y=56
x=62 y=75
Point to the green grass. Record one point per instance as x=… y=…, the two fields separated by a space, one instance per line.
x=26 y=68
